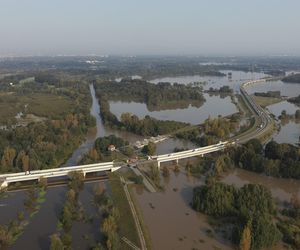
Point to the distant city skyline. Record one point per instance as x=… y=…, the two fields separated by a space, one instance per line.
x=135 y=27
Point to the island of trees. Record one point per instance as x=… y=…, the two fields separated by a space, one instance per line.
x=274 y=94
x=294 y=78
x=295 y=100
x=156 y=96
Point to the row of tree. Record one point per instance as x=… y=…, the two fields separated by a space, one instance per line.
x=279 y=160
x=71 y=212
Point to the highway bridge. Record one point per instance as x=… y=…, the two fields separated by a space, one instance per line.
x=190 y=153
x=5 y=179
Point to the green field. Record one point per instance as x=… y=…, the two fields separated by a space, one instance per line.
x=265 y=101
x=39 y=104
x=126 y=226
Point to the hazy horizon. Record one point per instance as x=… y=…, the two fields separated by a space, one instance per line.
x=204 y=28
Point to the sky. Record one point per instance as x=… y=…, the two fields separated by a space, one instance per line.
x=149 y=27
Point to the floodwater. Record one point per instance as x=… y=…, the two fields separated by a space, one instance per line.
x=286 y=89
x=289 y=131
x=41 y=226
x=281 y=189
x=10 y=206
x=87 y=234
x=169 y=145
x=37 y=233
x=277 y=108
x=215 y=81
x=171 y=222
x=213 y=107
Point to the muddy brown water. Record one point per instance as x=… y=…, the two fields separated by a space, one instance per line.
x=171 y=222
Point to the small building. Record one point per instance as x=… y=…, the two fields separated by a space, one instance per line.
x=111 y=148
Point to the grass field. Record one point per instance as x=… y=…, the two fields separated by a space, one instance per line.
x=265 y=101
x=39 y=104
x=126 y=225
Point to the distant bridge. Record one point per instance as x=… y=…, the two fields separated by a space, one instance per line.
x=5 y=179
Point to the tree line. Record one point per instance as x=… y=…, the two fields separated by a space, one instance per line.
x=156 y=96
x=279 y=160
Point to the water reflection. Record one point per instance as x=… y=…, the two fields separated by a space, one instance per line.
x=289 y=131
x=214 y=81
x=286 y=89
x=277 y=108
x=213 y=107
x=43 y=224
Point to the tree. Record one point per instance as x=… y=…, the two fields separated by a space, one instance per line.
x=149 y=149
x=6 y=237
x=66 y=239
x=100 y=197
x=176 y=169
x=222 y=164
x=154 y=174
x=93 y=154
x=67 y=218
x=77 y=181
x=297 y=114
x=43 y=182
x=217 y=199
x=255 y=144
x=56 y=243
x=8 y=157
x=245 y=242
x=25 y=163
x=166 y=172
x=113 y=241
x=254 y=200
x=264 y=233
x=31 y=199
